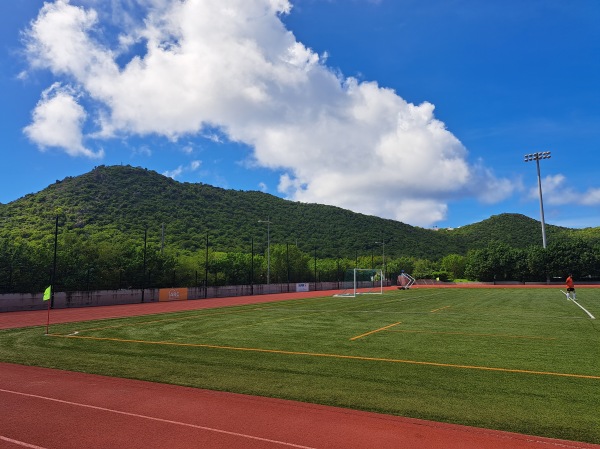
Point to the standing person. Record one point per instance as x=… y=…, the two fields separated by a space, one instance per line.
x=570 y=288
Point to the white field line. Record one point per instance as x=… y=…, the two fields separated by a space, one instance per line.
x=582 y=308
x=578 y=305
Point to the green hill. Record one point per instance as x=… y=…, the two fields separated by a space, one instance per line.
x=117 y=203
x=513 y=229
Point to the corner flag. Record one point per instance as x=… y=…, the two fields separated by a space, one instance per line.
x=47 y=293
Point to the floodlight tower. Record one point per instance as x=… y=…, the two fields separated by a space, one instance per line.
x=268 y=222
x=536 y=157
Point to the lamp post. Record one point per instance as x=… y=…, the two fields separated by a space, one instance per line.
x=144 y=267
x=268 y=222
x=536 y=157
x=382 y=243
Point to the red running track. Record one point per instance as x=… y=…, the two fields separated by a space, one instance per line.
x=42 y=408
x=52 y=409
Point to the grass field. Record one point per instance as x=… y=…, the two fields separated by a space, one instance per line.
x=524 y=360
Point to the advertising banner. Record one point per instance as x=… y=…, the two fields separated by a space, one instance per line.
x=173 y=294
x=303 y=287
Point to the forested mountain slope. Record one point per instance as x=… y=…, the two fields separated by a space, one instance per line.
x=117 y=203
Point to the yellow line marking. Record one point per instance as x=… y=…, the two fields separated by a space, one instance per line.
x=475 y=335
x=441 y=308
x=376 y=330
x=335 y=356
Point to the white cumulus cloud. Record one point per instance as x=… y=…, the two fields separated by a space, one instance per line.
x=57 y=121
x=232 y=66
x=557 y=191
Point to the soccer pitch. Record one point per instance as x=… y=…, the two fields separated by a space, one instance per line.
x=524 y=360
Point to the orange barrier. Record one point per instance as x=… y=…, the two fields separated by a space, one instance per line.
x=173 y=294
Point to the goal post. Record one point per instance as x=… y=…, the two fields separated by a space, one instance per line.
x=405 y=281
x=361 y=281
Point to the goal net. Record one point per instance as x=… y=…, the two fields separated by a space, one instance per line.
x=362 y=281
x=405 y=281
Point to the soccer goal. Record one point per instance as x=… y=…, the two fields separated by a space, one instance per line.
x=362 y=281
x=405 y=281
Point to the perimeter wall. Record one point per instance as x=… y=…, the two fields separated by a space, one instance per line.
x=25 y=301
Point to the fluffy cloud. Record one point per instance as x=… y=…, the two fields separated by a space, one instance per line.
x=234 y=67
x=557 y=192
x=57 y=120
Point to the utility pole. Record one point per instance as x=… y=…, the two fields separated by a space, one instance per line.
x=268 y=222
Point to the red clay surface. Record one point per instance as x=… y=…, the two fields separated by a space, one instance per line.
x=52 y=409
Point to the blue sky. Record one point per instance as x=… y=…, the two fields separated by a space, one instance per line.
x=419 y=111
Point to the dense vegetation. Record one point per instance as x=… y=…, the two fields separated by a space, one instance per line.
x=122 y=227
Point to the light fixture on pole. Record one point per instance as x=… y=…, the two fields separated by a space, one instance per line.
x=268 y=222
x=536 y=157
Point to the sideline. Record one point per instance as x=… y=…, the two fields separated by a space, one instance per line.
x=334 y=356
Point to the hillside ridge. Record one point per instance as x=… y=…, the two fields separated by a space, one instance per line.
x=121 y=202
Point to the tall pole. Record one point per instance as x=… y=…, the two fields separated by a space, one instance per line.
x=536 y=157
x=252 y=266
x=315 y=268
x=206 y=269
x=383 y=256
x=539 y=178
x=144 y=268
x=338 y=271
x=382 y=243
x=54 y=264
x=268 y=222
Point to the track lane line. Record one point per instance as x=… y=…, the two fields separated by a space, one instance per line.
x=20 y=443
x=152 y=418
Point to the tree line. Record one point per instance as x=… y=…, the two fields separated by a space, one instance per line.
x=87 y=264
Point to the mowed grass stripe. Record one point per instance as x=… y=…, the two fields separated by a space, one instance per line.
x=334 y=356
x=193 y=315
x=467 y=334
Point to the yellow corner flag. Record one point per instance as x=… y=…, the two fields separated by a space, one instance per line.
x=47 y=293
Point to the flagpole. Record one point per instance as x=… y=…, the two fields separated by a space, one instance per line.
x=52 y=279
x=48 y=320
x=54 y=264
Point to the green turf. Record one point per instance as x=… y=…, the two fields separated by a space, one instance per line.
x=524 y=360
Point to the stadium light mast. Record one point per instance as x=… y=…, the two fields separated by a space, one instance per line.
x=268 y=222
x=536 y=157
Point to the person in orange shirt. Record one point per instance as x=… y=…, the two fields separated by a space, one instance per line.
x=571 y=288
